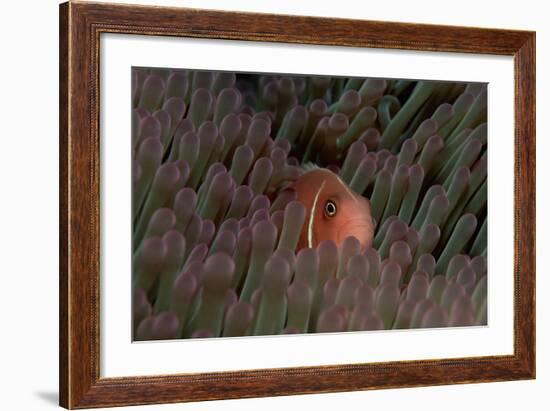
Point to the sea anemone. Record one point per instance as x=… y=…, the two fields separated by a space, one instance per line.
x=216 y=229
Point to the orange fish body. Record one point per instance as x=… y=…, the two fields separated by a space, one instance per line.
x=334 y=211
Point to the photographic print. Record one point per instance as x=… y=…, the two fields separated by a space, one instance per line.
x=324 y=186
x=267 y=204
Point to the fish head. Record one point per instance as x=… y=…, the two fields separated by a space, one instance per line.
x=333 y=210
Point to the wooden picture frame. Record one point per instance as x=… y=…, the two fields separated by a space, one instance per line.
x=80 y=27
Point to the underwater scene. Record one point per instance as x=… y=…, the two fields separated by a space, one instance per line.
x=269 y=204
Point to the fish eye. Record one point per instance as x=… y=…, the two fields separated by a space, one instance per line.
x=330 y=208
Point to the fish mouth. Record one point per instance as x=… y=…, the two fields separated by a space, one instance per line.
x=358 y=228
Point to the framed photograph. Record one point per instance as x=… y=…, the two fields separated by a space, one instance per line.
x=259 y=205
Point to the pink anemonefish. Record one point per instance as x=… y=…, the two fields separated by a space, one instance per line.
x=334 y=211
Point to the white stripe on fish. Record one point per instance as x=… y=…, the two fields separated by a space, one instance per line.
x=347 y=189
x=312 y=216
